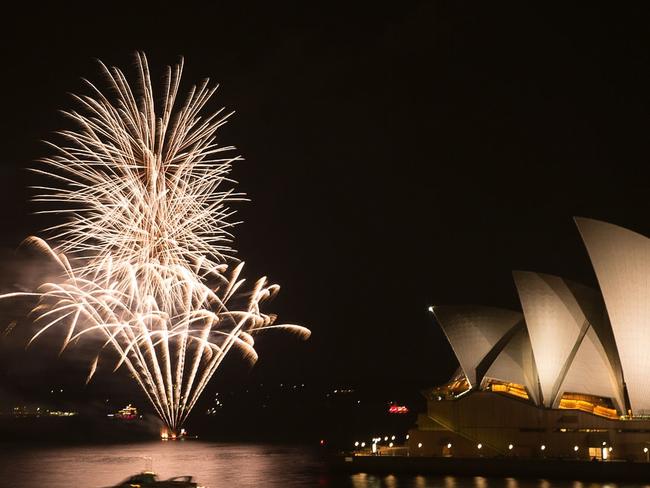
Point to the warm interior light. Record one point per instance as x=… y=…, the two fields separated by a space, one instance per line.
x=589 y=404
x=513 y=389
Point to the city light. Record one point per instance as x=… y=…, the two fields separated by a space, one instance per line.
x=510 y=446
x=575 y=448
x=430 y=308
x=543 y=447
x=356 y=444
x=480 y=446
x=363 y=444
x=390 y=445
x=398 y=409
x=449 y=446
x=419 y=444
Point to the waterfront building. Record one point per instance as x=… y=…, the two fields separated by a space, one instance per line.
x=567 y=376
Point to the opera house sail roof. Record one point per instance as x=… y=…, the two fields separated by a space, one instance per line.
x=489 y=343
x=621 y=260
x=562 y=318
x=570 y=341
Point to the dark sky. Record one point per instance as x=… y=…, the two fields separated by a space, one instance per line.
x=396 y=156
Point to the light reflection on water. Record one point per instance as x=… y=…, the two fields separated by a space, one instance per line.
x=218 y=465
x=363 y=480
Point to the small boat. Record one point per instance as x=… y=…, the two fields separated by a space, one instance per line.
x=148 y=479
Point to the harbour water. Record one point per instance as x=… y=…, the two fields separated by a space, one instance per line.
x=218 y=465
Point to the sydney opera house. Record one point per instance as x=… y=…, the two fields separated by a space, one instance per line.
x=568 y=376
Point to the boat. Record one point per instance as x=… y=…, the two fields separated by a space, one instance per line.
x=149 y=479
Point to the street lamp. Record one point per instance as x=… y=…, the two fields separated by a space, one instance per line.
x=479 y=445
x=419 y=444
x=647 y=454
x=430 y=308
x=510 y=446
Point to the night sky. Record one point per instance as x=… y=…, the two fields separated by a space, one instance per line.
x=396 y=156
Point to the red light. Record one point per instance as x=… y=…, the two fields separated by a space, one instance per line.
x=398 y=409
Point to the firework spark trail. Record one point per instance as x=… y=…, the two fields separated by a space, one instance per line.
x=147 y=231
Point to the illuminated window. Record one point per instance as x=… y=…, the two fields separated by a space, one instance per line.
x=590 y=404
x=596 y=452
x=513 y=389
x=451 y=390
x=446 y=450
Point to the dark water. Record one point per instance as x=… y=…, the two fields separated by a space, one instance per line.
x=215 y=466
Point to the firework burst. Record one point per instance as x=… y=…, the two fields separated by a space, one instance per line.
x=145 y=245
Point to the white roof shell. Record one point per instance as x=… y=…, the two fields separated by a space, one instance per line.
x=568 y=353
x=516 y=364
x=489 y=343
x=621 y=260
x=590 y=373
